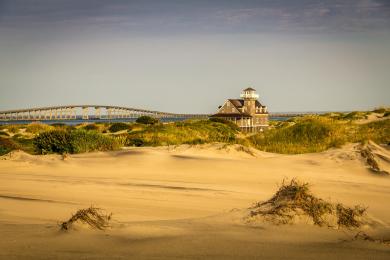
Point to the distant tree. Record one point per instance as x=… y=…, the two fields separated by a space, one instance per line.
x=147 y=120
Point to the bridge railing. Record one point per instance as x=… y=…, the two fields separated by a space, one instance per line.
x=73 y=112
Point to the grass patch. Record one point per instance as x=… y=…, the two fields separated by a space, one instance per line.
x=295 y=199
x=14 y=128
x=36 y=128
x=377 y=131
x=308 y=134
x=7 y=145
x=93 y=217
x=76 y=141
x=3 y=133
x=187 y=132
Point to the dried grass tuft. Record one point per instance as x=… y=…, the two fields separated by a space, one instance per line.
x=349 y=217
x=363 y=236
x=367 y=154
x=295 y=199
x=96 y=218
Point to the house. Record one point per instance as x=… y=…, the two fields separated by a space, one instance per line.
x=248 y=113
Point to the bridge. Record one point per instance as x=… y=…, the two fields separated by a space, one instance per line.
x=87 y=112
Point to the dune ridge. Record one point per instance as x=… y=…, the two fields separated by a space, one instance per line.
x=186 y=202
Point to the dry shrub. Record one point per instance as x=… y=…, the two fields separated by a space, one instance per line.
x=241 y=148
x=95 y=218
x=363 y=236
x=295 y=199
x=370 y=159
x=349 y=217
x=368 y=155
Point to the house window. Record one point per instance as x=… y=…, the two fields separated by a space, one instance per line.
x=232 y=109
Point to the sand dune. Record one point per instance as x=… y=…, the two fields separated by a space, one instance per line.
x=186 y=202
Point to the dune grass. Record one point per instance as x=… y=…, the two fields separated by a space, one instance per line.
x=311 y=134
x=294 y=199
x=36 y=128
x=298 y=135
x=308 y=135
x=76 y=141
x=377 y=131
x=92 y=216
x=7 y=145
x=187 y=132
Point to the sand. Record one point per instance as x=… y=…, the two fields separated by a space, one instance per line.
x=184 y=203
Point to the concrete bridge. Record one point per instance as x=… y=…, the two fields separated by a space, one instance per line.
x=86 y=112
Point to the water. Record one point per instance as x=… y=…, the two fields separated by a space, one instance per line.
x=129 y=120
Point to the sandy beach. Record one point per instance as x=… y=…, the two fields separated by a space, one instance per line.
x=183 y=203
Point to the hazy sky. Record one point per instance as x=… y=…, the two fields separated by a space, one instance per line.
x=189 y=56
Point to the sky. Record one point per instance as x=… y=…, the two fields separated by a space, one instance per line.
x=189 y=56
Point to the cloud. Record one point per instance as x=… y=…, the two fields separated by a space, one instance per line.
x=202 y=16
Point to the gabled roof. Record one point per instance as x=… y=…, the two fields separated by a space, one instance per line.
x=239 y=103
x=258 y=104
x=249 y=89
x=238 y=115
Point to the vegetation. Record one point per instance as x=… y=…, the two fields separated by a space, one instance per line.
x=77 y=141
x=93 y=217
x=295 y=199
x=377 y=131
x=380 y=110
x=308 y=134
x=297 y=135
x=187 y=132
x=36 y=128
x=7 y=145
x=146 y=120
x=3 y=133
x=226 y=122
x=319 y=133
x=116 y=127
x=91 y=127
x=13 y=128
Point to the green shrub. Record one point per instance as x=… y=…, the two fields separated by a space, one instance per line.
x=309 y=134
x=55 y=141
x=386 y=114
x=7 y=145
x=147 y=120
x=379 y=110
x=82 y=141
x=91 y=127
x=354 y=116
x=116 y=127
x=4 y=133
x=135 y=142
x=59 y=125
x=77 y=141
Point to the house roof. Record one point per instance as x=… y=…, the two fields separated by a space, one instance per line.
x=238 y=103
x=249 y=89
x=238 y=115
